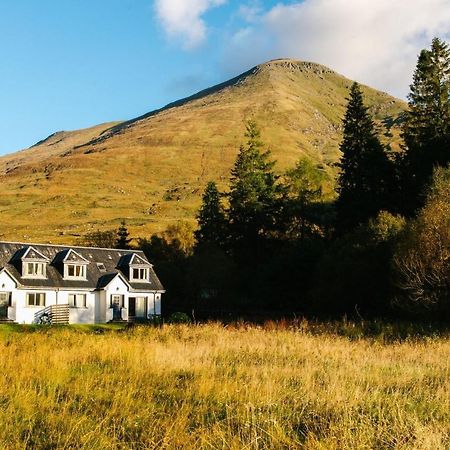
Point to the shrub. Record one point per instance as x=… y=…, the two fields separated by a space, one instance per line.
x=179 y=317
x=422 y=260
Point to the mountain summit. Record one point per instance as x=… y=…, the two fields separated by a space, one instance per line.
x=151 y=170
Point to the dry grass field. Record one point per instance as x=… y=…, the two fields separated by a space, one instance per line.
x=216 y=387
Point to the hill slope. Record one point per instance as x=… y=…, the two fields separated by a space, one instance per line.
x=151 y=170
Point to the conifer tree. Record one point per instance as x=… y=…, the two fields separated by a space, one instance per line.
x=211 y=218
x=426 y=130
x=366 y=172
x=123 y=241
x=254 y=192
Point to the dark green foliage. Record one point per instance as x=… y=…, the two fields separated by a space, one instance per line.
x=171 y=263
x=305 y=211
x=284 y=246
x=102 y=239
x=179 y=317
x=254 y=193
x=354 y=275
x=211 y=219
x=428 y=117
x=122 y=240
x=366 y=178
x=426 y=129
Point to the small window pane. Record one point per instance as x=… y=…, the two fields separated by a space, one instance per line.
x=35 y=269
x=76 y=271
x=77 y=300
x=36 y=299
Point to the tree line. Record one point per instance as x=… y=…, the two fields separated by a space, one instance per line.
x=375 y=241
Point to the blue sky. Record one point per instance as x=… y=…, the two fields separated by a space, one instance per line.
x=70 y=64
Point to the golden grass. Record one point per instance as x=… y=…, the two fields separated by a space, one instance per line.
x=210 y=387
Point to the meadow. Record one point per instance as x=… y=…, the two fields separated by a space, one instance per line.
x=275 y=386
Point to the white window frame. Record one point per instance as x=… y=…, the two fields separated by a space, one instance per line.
x=80 y=276
x=145 y=271
x=77 y=300
x=121 y=300
x=34 y=273
x=34 y=295
x=6 y=296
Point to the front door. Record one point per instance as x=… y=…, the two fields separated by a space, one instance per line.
x=117 y=303
x=136 y=308
x=131 y=307
x=4 y=303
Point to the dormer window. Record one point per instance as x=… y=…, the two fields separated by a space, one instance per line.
x=75 y=271
x=35 y=269
x=34 y=264
x=139 y=274
x=75 y=266
x=138 y=268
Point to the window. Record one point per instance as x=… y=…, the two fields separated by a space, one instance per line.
x=77 y=300
x=117 y=301
x=75 y=271
x=35 y=299
x=101 y=267
x=5 y=298
x=34 y=269
x=139 y=274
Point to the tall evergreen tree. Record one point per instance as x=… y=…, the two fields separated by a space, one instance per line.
x=426 y=130
x=366 y=171
x=211 y=218
x=123 y=241
x=254 y=192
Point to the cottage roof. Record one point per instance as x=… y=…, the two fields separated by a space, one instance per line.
x=102 y=264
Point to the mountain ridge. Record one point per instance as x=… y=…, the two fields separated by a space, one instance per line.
x=151 y=169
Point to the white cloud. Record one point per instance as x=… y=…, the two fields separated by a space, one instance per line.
x=374 y=42
x=250 y=12
x=183 y=19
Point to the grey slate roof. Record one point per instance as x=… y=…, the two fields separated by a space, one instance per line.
x=97 y=278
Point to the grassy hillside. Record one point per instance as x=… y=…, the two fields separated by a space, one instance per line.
x=152 y=170
x=210 y=387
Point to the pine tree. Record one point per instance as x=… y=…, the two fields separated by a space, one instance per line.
x=123 y=241
x=211 y=218
x=366 y=171
x=426 y=130
x=254 y=192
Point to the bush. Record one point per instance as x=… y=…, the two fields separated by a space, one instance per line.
x=354 y=275
x=179 y=317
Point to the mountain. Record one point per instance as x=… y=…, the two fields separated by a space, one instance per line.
x=151 y=170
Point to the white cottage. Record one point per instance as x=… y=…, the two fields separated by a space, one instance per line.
x=62 y=284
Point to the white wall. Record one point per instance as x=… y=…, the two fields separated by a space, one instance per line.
x=26 y=314
x=22 y=313
x=7 y=284
x=97 y=309
x=116 y=287
x=153 y=303
x=100 y=307
x=79 y=315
